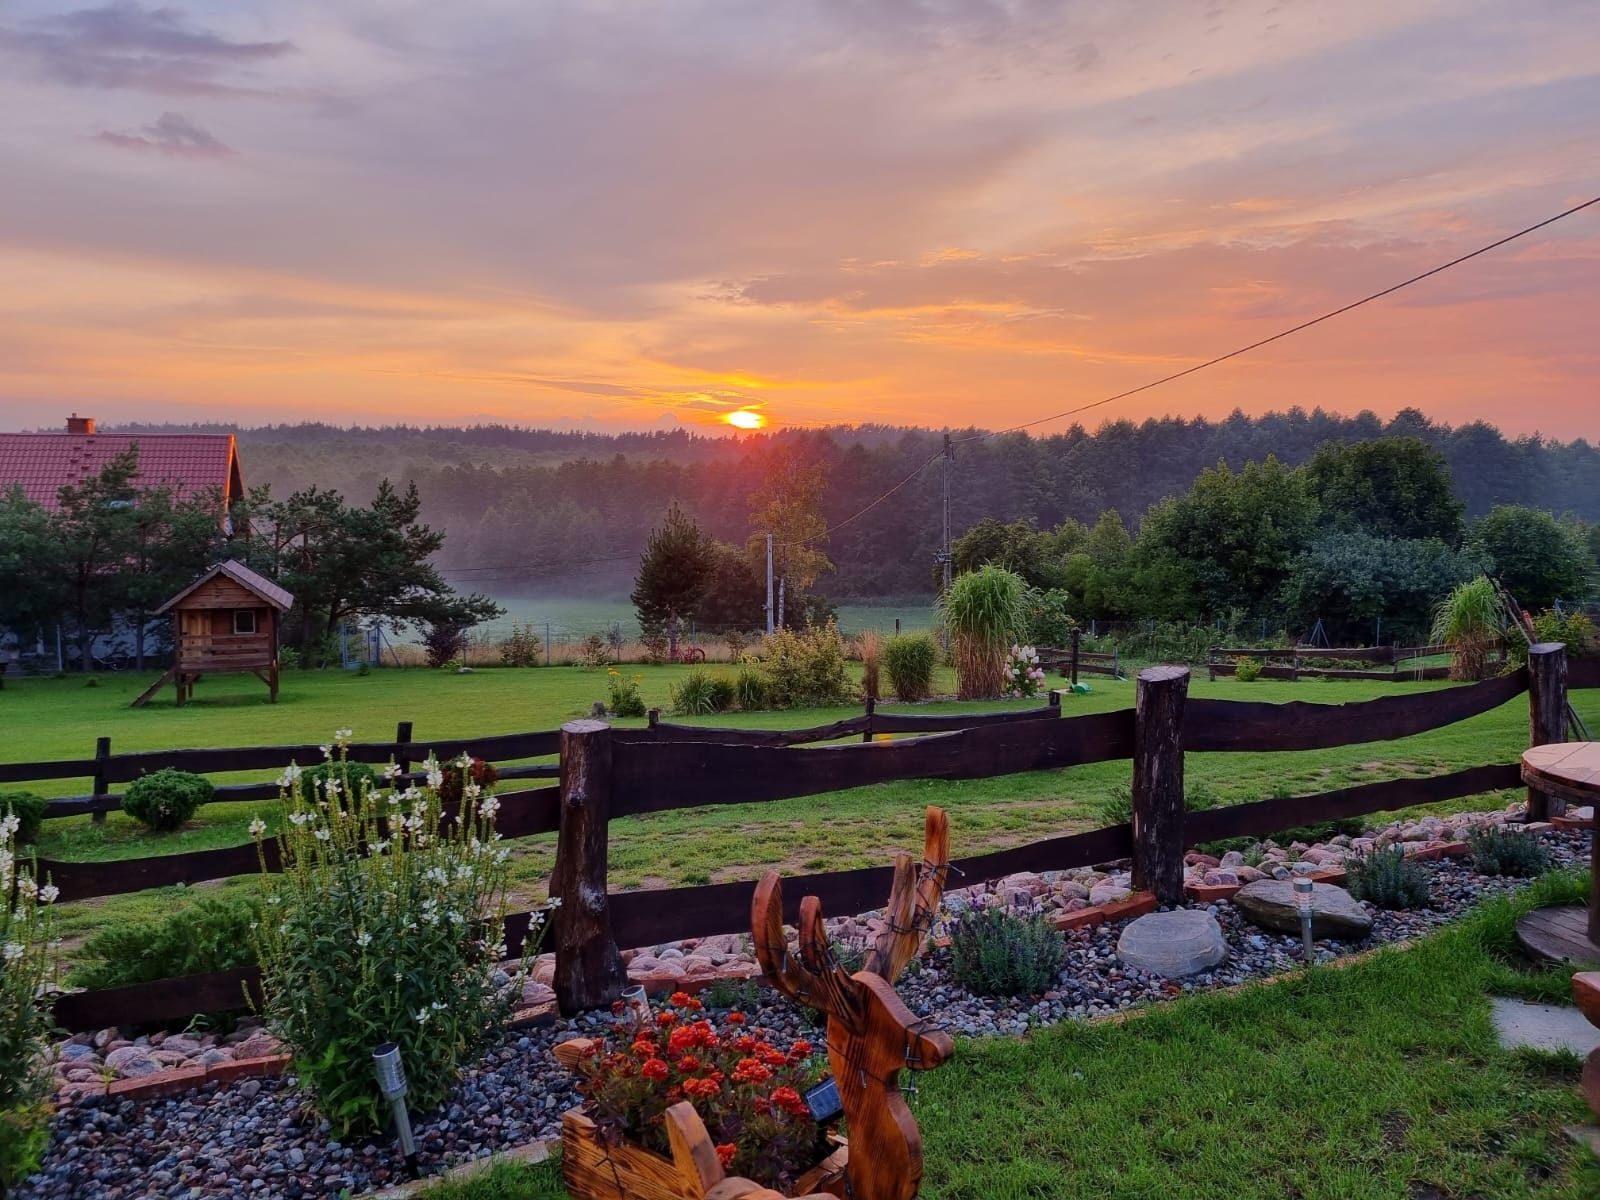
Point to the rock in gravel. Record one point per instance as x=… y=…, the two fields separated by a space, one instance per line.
x=1174 y=944
x=1334 y=912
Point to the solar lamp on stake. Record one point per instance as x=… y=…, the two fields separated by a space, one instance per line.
x=391 y=1073
x=1304 y=889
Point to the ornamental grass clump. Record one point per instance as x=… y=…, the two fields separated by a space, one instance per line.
x=25 y=933
x=995 y=952
x=1470 y=621
x=983 y=611
x=384 y=925
x=909 y=659
x=1388 y=879
x=748 y=1088
x=1497 y=851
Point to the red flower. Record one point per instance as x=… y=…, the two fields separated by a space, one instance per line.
x=701 y=1089
x=790 y=1101
x=735 y=1018
x=725 y=1153
x=644 y=1048
x=750 y=1070
x=682 y=1038
x=800 y=1050
x=745 y=1044
x=680 y=999
x=664 y=1019
x=688 y=1064
x=655 y=1069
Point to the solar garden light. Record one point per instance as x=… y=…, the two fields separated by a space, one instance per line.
x=392 y=1084
x=1304 y=889
x=638 y=1003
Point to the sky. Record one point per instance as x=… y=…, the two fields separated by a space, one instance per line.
x=614 y=215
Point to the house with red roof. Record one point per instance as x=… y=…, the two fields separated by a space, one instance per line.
x=186 y=464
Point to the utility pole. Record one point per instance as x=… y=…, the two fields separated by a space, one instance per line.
x=944 y=554
x=769 y=584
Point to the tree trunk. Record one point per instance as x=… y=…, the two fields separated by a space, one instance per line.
x=783 y=587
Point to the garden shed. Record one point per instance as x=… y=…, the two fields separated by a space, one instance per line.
x=227 y=620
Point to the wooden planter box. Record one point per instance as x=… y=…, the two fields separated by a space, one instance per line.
x=595 y=1171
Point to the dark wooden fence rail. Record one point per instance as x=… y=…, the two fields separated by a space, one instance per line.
x=1294 y=662
x=106 y=768
x=651 y=770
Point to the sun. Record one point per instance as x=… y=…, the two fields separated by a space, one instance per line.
x=744 y=418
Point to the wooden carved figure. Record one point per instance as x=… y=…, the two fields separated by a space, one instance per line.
x=1586 y=991
x=872 y=1035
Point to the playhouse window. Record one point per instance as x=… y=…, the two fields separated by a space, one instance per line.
x=244 y=620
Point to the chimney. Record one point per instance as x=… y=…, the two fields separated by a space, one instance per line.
x=77 y=424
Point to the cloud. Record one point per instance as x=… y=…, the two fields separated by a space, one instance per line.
x=125 y=45
x=173 y=135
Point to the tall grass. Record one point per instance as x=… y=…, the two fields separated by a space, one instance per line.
x=984 y=613
x=871 y=647
x=1469 y=620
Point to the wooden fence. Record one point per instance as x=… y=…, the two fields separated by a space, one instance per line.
x=1303 y=662
x=1074 y=660
x=608 y=772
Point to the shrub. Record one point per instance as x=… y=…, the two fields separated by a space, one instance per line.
x=594 y=652
x=1046 y=619
x=1024 y=675
x=211 y=934
x=1498 y=851
x=348 y=778
x=909 y=658
x=871 y=646
x=653 y=639
x=25 y=1083
x=165 y=799
x=444 y=643
x=807 y=667
x=701 y=693
x=458 y=773
x=384 y=925
x=1388 y=879
x=1574 y=629
x=749 y=1093
x=751 y=691
x=28 y=809
x=622 y=694
x=737 y=642
x=998 y=953
x=523 y=648
x=983 y=611
x=1247 y=670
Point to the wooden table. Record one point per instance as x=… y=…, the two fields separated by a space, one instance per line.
x=1569 y=771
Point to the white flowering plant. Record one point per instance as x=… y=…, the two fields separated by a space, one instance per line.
x=1024 y=675
x=385 y=924
x=25 y=969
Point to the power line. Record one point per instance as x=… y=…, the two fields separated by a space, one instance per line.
x=1327 y=316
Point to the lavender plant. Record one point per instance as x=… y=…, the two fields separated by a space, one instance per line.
x=384 y=925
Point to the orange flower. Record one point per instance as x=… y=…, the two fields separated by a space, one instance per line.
x=790 y=1101
x=800 y=1050
x=665 y=1018
x=644 y=1048
x=701 y=1089
x=655 y=1069
x=750 y=1070
x=680 y=999
x=725 y=1153
x=688 y=1064
x=735 y=1018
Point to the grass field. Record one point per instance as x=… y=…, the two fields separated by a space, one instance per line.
x=1376 y=1081
x=46 y=719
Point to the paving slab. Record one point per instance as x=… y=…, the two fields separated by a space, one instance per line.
x=1545 y=1027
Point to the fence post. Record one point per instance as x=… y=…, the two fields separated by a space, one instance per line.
x=402 y=736
x=1547 y=715
x=589 y=970
x=1158 y=781
x=1055 y=700
x=1077 y=637
x=872 y=707
x=102 y=785
x=653 y=716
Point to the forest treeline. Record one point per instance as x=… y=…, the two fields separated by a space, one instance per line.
x=531 y=508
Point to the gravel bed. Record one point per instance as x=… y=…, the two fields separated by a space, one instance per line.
x=254 y=1138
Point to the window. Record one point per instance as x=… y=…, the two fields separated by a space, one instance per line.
x=244 y=620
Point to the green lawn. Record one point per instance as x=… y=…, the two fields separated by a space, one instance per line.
x=1376 y=1081
x=60 y=719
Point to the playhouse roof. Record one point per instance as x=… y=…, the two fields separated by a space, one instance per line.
x=245 y=578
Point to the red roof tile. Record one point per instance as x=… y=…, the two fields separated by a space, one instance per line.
x=185 y=463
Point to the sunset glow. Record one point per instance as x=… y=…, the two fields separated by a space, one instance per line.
x=745 y=419
x=912 y=213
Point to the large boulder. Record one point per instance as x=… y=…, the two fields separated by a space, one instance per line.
x=1173 y=944
x=1334 y=912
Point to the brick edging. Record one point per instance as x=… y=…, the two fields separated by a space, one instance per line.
x=162 y=1084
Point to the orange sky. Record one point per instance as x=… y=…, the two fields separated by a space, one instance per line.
x=620 y=214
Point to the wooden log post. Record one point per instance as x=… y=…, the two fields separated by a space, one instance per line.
x=1547 y=716
x=102 y=785
x=402 y=738
x=872 y=707
x=1077 y=639
x=589 y=971
x=1158 y=781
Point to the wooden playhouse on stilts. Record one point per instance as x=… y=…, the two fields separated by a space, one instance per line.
x=227 y=620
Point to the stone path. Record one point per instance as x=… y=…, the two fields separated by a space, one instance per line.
x=1546 y=1027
